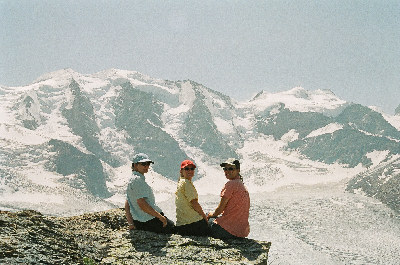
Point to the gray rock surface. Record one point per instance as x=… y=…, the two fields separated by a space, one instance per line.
x=28 y=237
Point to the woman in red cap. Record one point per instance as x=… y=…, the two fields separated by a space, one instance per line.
x=190 y=218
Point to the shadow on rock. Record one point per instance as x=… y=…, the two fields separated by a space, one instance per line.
x=249 y=248
x=208 y=250
x=152 y=243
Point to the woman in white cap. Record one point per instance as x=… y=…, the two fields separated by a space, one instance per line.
x=190 y=218
x=234 y=205
x=141 y=210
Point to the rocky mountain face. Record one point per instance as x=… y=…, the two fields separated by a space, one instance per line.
x=362 y=131
x=381 y=182
x=28 y=237
x=71 y=134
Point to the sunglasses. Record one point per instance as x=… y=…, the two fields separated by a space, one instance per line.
x=189 y=168
x=229 y=168
x=145 y=163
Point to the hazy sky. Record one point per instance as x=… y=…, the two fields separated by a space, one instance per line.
x=236 y=47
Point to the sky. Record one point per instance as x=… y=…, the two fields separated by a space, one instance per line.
x=238 y=48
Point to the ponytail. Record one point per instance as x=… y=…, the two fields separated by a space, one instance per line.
x=241 y=178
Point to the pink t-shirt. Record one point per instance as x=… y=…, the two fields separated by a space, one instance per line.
x=235 y=217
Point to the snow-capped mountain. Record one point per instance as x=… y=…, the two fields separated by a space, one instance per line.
x=67 y=138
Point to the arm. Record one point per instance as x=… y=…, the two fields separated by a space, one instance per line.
x=145 y=207
x=220 y=208
x=129 y=217
x=197 y=207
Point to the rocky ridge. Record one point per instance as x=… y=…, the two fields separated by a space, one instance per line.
x=28 y=237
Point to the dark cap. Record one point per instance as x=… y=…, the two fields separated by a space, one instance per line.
x=232 y=162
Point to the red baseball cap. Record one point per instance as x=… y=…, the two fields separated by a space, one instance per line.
x=186 y=163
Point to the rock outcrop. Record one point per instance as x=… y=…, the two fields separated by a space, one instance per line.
x=381 y=182
x=28 y=237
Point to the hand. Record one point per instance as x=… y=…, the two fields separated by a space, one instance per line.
x=209 y=215
x=163 y=219
x=205 y=217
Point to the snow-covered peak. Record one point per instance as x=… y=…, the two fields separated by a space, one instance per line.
x=298 y=92
x=300 y=99
x=118 y=73
x=62 y=74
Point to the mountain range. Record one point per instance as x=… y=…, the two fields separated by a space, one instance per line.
x=67 y=138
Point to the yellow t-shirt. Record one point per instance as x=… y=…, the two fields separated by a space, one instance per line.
x=185 y=192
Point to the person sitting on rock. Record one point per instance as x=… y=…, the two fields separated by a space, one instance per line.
x=234 y=205
x=190 y=218
x=141 y=210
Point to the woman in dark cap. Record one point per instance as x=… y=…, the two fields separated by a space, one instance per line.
x=234 y=205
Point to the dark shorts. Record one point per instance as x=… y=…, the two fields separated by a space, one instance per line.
x=155 y=225
x=199 y=228
x=217 y=231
